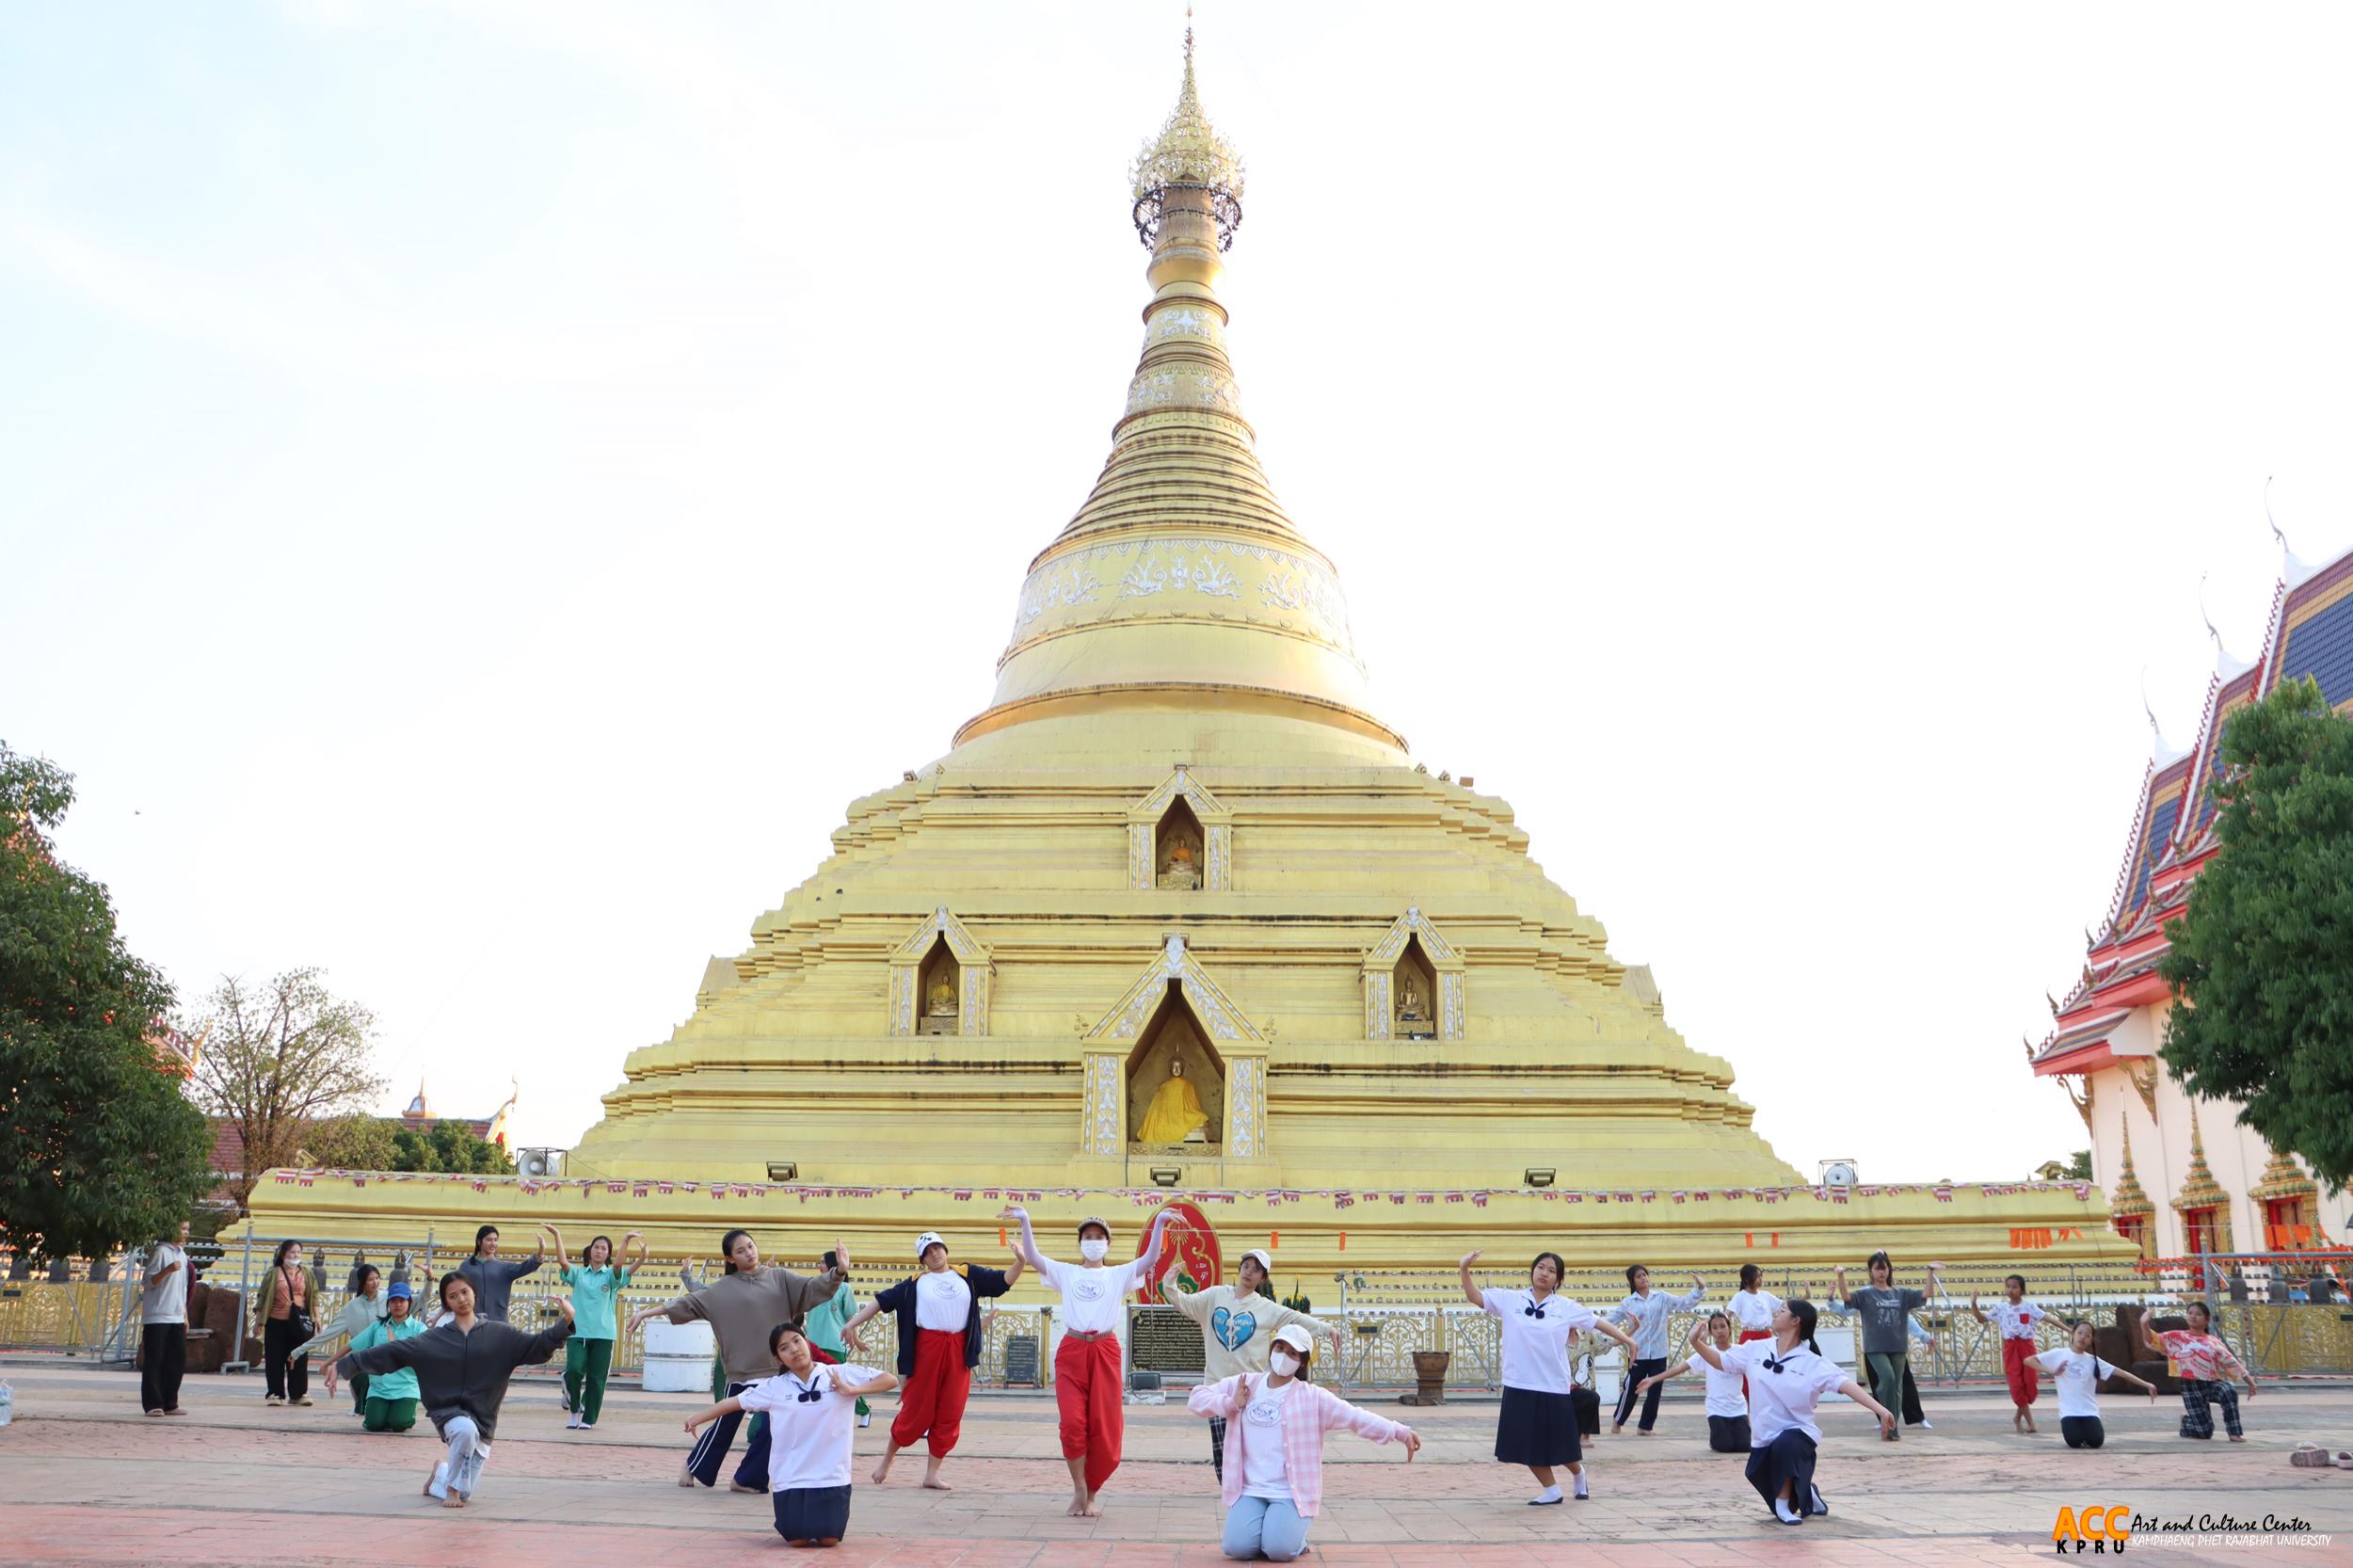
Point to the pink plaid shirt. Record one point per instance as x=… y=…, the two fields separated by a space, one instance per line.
x=1308 y=1413
x=2201 y=1356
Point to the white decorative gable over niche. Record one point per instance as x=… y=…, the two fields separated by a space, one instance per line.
x=1115 y=1049
x=1384 y=1005
x=1158 y=822
x=910 y=1007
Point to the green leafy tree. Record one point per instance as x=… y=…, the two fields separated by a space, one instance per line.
x=2262 y=962
x=2079 y=1165
x=99 y=1146
x=449 y=1147
x=277 y=1058
x=354 y=1142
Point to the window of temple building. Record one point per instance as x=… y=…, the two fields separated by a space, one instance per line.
x=2202 y=1233
x=2287 y=1225
x=2135 y=1228
x=1414 y=994
x=939 y=990
x=1178 y=849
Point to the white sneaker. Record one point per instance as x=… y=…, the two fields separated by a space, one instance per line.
x=1580 y=1493
x=574 y=1424
x=866 y=1420
x=1925 y=1427
x=1782 y=1512
x=438 y=1488
x=1820 y=1506
x=1545 y=1499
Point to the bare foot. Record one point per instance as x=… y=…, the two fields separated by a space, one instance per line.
x=453 y=1500
x=1616 y=1428
x=1078 y=1508
x=686 y=1477
x=2235 y=1438
x=1094 y=1509
x=882 y=1473
x=739 y=1486
x=936 y=1485
x=1642 y=1432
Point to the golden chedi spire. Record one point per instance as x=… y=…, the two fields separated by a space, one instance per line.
x=2126 y=1197
x=1180 y=585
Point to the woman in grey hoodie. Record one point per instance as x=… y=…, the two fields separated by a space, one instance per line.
x=367 y=1305
x=462 y=1369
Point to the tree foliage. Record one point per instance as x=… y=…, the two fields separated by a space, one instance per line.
x=450 y=1146
x=277 y=1058
x=2261 y=961
x=99 y=1146
x=353 y=1143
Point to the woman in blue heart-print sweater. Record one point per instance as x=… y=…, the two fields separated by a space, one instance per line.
x=1237 y=1323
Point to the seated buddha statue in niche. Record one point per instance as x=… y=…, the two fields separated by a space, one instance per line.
x=1175 y=1115
x=1413 y=1006
x=1181 y=869
x=940 y=1004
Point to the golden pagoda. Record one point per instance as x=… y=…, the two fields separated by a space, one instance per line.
x=1178 y=876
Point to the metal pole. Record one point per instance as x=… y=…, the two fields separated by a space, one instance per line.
x=236 y=1361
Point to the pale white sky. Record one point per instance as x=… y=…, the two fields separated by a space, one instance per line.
x=480 y=488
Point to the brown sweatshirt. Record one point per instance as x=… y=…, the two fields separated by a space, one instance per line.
x=743 y=1309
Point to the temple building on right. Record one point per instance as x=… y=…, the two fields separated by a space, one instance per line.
x=2183 y=1178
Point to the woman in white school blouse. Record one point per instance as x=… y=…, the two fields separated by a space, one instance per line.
x=1538 y=1424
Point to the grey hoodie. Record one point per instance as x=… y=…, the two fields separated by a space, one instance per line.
x=460 y=1373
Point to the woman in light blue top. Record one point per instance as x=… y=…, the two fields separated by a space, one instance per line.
x=597 y=1281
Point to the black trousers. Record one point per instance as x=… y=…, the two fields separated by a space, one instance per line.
x=1644 y=1367
x=1728 y=1434
x=2082 y=1432
x=163 y=1362
x=286 y=1376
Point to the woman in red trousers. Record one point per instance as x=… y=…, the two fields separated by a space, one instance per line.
x=2015 y=1318
x=939 y=1343
x=1089 y=1370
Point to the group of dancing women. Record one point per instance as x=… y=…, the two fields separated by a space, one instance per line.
x=791 y=1357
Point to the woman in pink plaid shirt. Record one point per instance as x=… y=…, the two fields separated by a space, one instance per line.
x=1275 y=1422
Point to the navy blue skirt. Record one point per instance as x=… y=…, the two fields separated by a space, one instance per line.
x=813 y=1512
x=1537 y=1428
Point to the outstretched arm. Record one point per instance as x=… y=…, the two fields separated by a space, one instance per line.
x=627 y=1262
x=883 y=1384
x=1215 y=1400
x=2148 y=1335
x=1152 y=1242
x=1697 y=1294
x=1657 y=1378
x=1602 y=1326
x=1862 y=1396
x=1973 y=1310
x=1470 y=1290
x=703 y=1417
x=1027 y=1247
x=1014 y=1273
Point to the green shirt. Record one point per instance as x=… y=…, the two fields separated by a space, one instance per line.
x=390 y=1386
x=596 y=1297
x=824 y=1323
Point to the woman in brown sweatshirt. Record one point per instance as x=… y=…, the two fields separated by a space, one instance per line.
x=742 y=1307
x=286 y=1304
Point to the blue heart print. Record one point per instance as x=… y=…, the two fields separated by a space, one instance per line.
x=1233 y=1328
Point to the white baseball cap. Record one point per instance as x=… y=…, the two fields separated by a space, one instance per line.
x=924 y=1242
x=1296 y=1337
x=1266 y=1258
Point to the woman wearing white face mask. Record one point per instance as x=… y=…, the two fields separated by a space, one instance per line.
x=1275 y=1423
x=1088 y=1365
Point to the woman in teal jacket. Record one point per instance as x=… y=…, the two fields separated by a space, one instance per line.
x=597 y=1281
x=391 y=1401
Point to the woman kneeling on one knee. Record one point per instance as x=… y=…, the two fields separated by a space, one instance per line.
x=1275 y=1422
x=1788 y=1377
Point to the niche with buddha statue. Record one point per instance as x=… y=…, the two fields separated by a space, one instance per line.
x=1413 y=983
x=939 y=980
x=1180 y=839
x=1176 y=1080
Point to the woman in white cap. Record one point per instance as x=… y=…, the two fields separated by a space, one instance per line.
x=1537 y=1425
x=1279 y=1420
x=1237 y=1323
x=939 y=1343
x=1088 y=1364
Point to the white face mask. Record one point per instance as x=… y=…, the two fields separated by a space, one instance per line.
x=1284 y=1364
x=1093 y=1249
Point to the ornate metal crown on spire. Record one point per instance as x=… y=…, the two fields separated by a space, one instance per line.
x=1188 y=153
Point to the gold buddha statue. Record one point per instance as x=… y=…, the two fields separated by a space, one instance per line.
x=1182 y=869
x=940 y=1004
x=1175 y=1115
x=1413 y=1007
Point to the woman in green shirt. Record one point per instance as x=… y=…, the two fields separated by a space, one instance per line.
x=597 y=1281
x=392 y=1397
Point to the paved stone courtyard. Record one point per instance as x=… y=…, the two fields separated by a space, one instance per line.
x=86 y=1478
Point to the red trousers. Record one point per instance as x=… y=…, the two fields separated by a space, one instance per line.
x=932 y=1399
x=1086 y=1391
x=2015 y=1367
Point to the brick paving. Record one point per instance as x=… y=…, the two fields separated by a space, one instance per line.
x=84 y=1479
